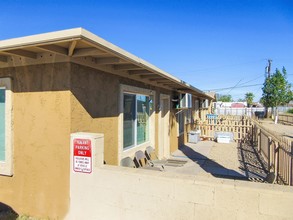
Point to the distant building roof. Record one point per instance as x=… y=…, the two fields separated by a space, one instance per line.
x=231 y=104
x=237 y=105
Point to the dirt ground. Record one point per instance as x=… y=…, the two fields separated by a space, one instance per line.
x=279 y=129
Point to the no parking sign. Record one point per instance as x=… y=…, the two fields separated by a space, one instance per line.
x=82 y=155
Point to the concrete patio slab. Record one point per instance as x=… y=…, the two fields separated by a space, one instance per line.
x=208 y=158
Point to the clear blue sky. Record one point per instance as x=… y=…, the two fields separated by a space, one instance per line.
x=209 y=44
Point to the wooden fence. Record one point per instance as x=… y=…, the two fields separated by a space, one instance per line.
x=277 y=151
x=240 y=126
x=285 y=118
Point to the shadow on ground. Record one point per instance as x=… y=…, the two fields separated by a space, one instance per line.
x=251 y=162
x=210 y=166
x=7 y=213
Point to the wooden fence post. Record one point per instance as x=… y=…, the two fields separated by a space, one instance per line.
x=291 y=166
x=258 y=140
x=253 y=134
x=277 y=165
x=269 y=153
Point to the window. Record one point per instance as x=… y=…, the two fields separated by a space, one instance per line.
x=136 y=109
x=5 y=127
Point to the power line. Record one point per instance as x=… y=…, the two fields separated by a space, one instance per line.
x=234 y=86
x=251 y=80
x=221 y=89
x=217 y=67
x=241 y=85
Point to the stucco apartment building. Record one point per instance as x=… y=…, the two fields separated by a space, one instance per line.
x=55 y=84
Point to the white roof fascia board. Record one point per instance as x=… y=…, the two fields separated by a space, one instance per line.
x=128 y=56
x=80 y=33
x=40 y=39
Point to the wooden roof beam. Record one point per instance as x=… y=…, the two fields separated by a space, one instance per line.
x=22 y=53
x=169 y=83
x=71 y=48
x=88 y=52
x=148 y=76
x=139 y=72
x=184 y=90
x=126 y=67
x=173 y=86
x=54 y=49
x=158 y=79
x=107 y=60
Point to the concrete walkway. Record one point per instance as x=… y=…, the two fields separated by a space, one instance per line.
x=208 y=158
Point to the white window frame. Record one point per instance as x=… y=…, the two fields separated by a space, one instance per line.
x=129 y=152
x=6 y=167
x=135 y=121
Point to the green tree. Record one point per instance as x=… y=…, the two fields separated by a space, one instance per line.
x=249 y=96
x=225 y=98
x=276 y=91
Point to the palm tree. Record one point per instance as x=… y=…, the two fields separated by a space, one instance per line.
x=249 y=98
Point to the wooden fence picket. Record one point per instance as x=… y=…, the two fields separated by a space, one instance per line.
x=278 y=151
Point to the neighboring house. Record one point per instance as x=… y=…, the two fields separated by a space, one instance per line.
x=238 y=105
x=237 y=108
x=55 y=84
x=230 y=104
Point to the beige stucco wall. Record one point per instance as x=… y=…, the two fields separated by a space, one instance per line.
x=41 y=108
x=145 y=194
x=50 y=102
x=94 y=106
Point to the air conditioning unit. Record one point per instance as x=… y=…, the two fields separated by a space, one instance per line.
x=185 y=100
x=205 y=103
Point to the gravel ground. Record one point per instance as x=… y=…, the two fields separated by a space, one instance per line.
x=251 y=162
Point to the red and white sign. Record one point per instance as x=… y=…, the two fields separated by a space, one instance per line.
x=82 y=155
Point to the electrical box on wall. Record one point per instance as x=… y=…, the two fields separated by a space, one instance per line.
x=185 y=101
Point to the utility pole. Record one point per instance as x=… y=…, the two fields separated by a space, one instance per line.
x=268 y=75
x=268 y=68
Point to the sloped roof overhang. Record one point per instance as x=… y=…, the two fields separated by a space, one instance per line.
x=83 y=47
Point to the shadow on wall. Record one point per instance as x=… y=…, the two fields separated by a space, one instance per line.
x=7 y=213
x=210 y=166
x=97 y=91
